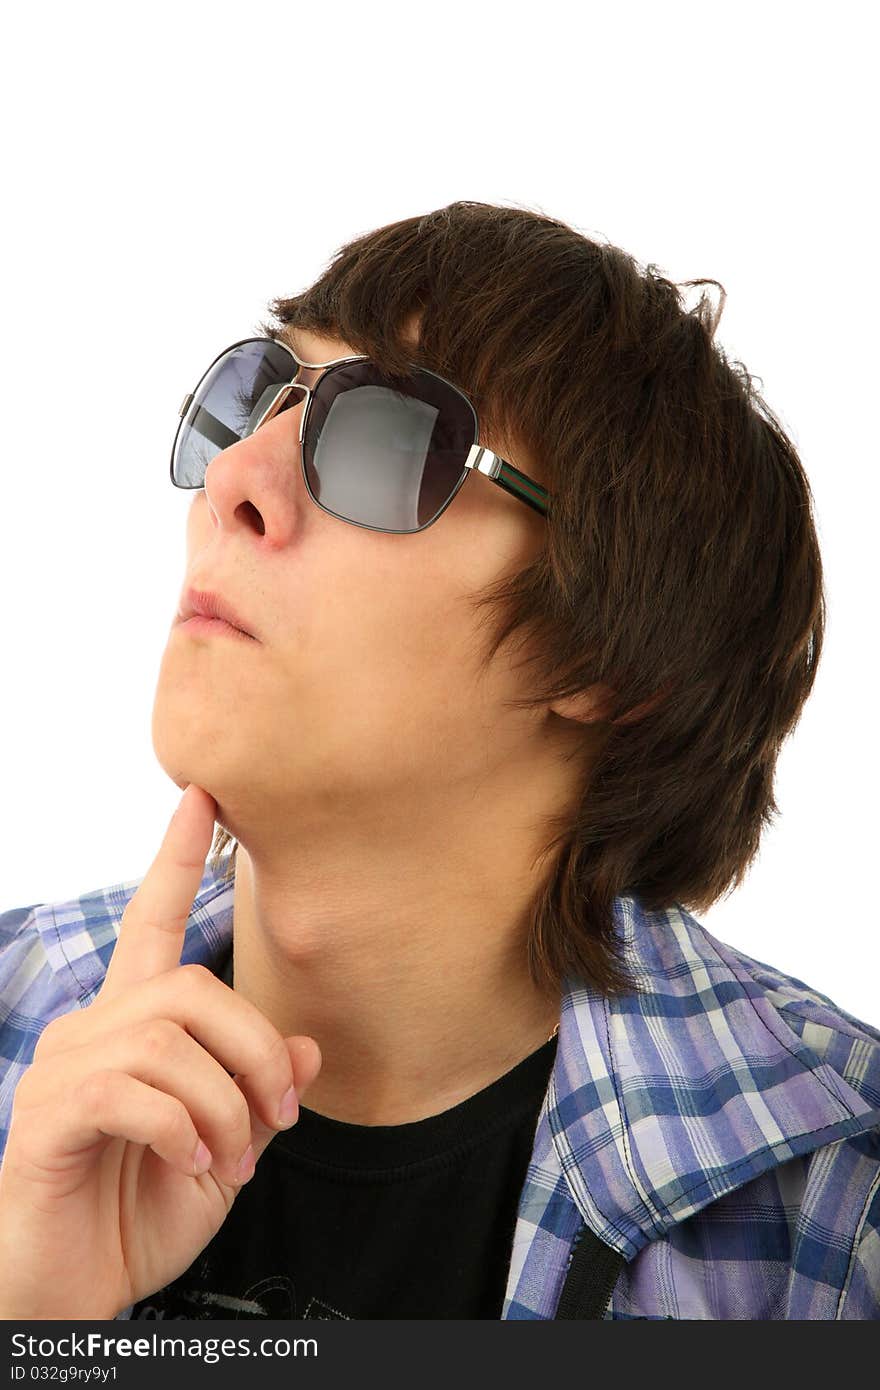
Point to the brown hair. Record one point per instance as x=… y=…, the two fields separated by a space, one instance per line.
x=681 y=568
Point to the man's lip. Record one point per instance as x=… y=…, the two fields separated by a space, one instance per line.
x=208 y=604
x=198 y=623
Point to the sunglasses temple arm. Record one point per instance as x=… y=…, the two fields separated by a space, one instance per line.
x=521 y=486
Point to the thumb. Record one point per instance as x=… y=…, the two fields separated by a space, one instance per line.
x=305 y=1056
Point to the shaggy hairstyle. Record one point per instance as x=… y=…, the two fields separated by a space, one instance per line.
x=681 y=568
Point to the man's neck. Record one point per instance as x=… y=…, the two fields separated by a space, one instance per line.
x=413 y=983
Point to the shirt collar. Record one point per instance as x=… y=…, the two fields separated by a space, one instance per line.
x=663 y=1101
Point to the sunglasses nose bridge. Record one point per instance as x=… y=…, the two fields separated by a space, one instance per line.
x=277 y=403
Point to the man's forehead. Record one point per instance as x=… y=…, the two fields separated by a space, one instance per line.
x=315 y=347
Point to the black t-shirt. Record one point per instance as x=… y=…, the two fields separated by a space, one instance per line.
x=374 y=1221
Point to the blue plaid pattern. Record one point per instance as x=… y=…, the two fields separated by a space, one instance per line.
x=720 y=1127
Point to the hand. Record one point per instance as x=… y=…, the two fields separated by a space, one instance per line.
x=100 y=1203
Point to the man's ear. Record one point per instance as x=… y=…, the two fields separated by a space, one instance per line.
x=590 y=706
x=587 y=706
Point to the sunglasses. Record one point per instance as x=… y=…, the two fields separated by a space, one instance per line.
x=387 y=454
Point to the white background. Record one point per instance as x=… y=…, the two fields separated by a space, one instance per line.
x=167 y=170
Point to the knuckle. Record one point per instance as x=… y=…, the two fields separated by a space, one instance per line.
x=188 y=985
x=95 y=1089
x=24 y=1095
x=158 y=1037
x=51 y=1037
x=195 y=971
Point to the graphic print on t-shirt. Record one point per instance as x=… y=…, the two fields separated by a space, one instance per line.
x=272 y=1297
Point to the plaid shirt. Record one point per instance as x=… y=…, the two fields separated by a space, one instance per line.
x=719 y=1129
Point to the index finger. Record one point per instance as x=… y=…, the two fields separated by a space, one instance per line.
x=153 y=924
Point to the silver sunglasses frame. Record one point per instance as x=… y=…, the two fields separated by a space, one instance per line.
x=480 y=459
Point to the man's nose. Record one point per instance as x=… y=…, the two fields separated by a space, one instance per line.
x=257 y=482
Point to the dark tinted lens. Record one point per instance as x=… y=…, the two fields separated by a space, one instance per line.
x=226 y=403
x=386 y=454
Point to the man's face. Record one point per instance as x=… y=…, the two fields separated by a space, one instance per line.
x=364 y=695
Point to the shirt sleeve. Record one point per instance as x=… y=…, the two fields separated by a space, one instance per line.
x=861 y=1297
x=13 y=922
x=24 y=971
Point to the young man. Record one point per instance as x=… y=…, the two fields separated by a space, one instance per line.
x=453 y=837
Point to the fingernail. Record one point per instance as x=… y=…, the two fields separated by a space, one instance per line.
x=246 y=1165
x=289 y=1109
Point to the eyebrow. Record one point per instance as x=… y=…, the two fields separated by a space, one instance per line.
x=285 y=334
